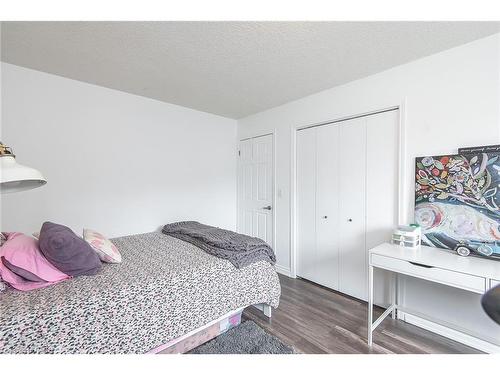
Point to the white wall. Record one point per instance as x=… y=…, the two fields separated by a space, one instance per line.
x=452 y=100
x=114 y=162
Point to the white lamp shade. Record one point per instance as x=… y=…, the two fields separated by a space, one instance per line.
x=16 y=177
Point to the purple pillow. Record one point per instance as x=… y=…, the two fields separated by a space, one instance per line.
x=66 y=251
x=25 y=274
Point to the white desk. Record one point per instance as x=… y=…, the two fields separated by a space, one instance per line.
x=468 y=273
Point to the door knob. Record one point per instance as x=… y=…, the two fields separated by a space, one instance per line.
x=349 y=220
x=267 y=208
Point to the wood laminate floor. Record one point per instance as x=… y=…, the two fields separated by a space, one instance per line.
x=314 y=319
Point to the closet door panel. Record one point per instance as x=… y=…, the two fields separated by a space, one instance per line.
x=352 y=162
x=327 y=197
x=381 y=190
x=306 y=203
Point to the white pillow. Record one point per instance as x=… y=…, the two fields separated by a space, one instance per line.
x=104 y=248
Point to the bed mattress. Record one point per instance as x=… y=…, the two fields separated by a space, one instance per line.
x=163 y=289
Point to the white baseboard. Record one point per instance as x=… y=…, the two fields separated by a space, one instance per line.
x=450 y=333
x=283 y=270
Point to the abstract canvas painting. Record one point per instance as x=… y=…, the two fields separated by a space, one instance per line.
x=457 y=201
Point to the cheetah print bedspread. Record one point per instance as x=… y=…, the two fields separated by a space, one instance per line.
x=164 y=288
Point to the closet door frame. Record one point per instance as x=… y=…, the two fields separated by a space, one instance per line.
x=402 y=185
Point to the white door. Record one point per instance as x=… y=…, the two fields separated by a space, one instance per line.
x=255 y=188
x=317 y=205
x=352 y=207
x=306 y=204
x=381 y=189
x=346 y=185
x=327 y=206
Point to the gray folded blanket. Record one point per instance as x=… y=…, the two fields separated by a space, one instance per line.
x=239 y=249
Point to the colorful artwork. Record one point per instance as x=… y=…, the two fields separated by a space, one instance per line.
x=457 y=200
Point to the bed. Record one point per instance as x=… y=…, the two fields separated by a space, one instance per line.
x=164 y=289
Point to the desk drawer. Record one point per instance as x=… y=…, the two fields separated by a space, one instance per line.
x=459 y=280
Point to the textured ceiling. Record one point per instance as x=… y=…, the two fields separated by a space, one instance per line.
x=232 y=69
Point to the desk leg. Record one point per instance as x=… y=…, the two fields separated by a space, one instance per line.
x=370 y=304
x=394 y=293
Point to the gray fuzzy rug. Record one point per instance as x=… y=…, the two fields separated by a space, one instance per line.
x=246 y=338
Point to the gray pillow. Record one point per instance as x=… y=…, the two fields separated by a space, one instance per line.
x=66 y=251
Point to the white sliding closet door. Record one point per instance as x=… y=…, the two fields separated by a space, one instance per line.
x=327 y=206
x=306 y=204
x=352 y=207
x=317 y=208
x=347 y=195
x=381 y=189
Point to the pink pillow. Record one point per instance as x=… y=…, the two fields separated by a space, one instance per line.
x=22 y=252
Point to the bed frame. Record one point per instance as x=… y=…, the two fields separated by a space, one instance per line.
x=207 y=332
x=265 y=308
